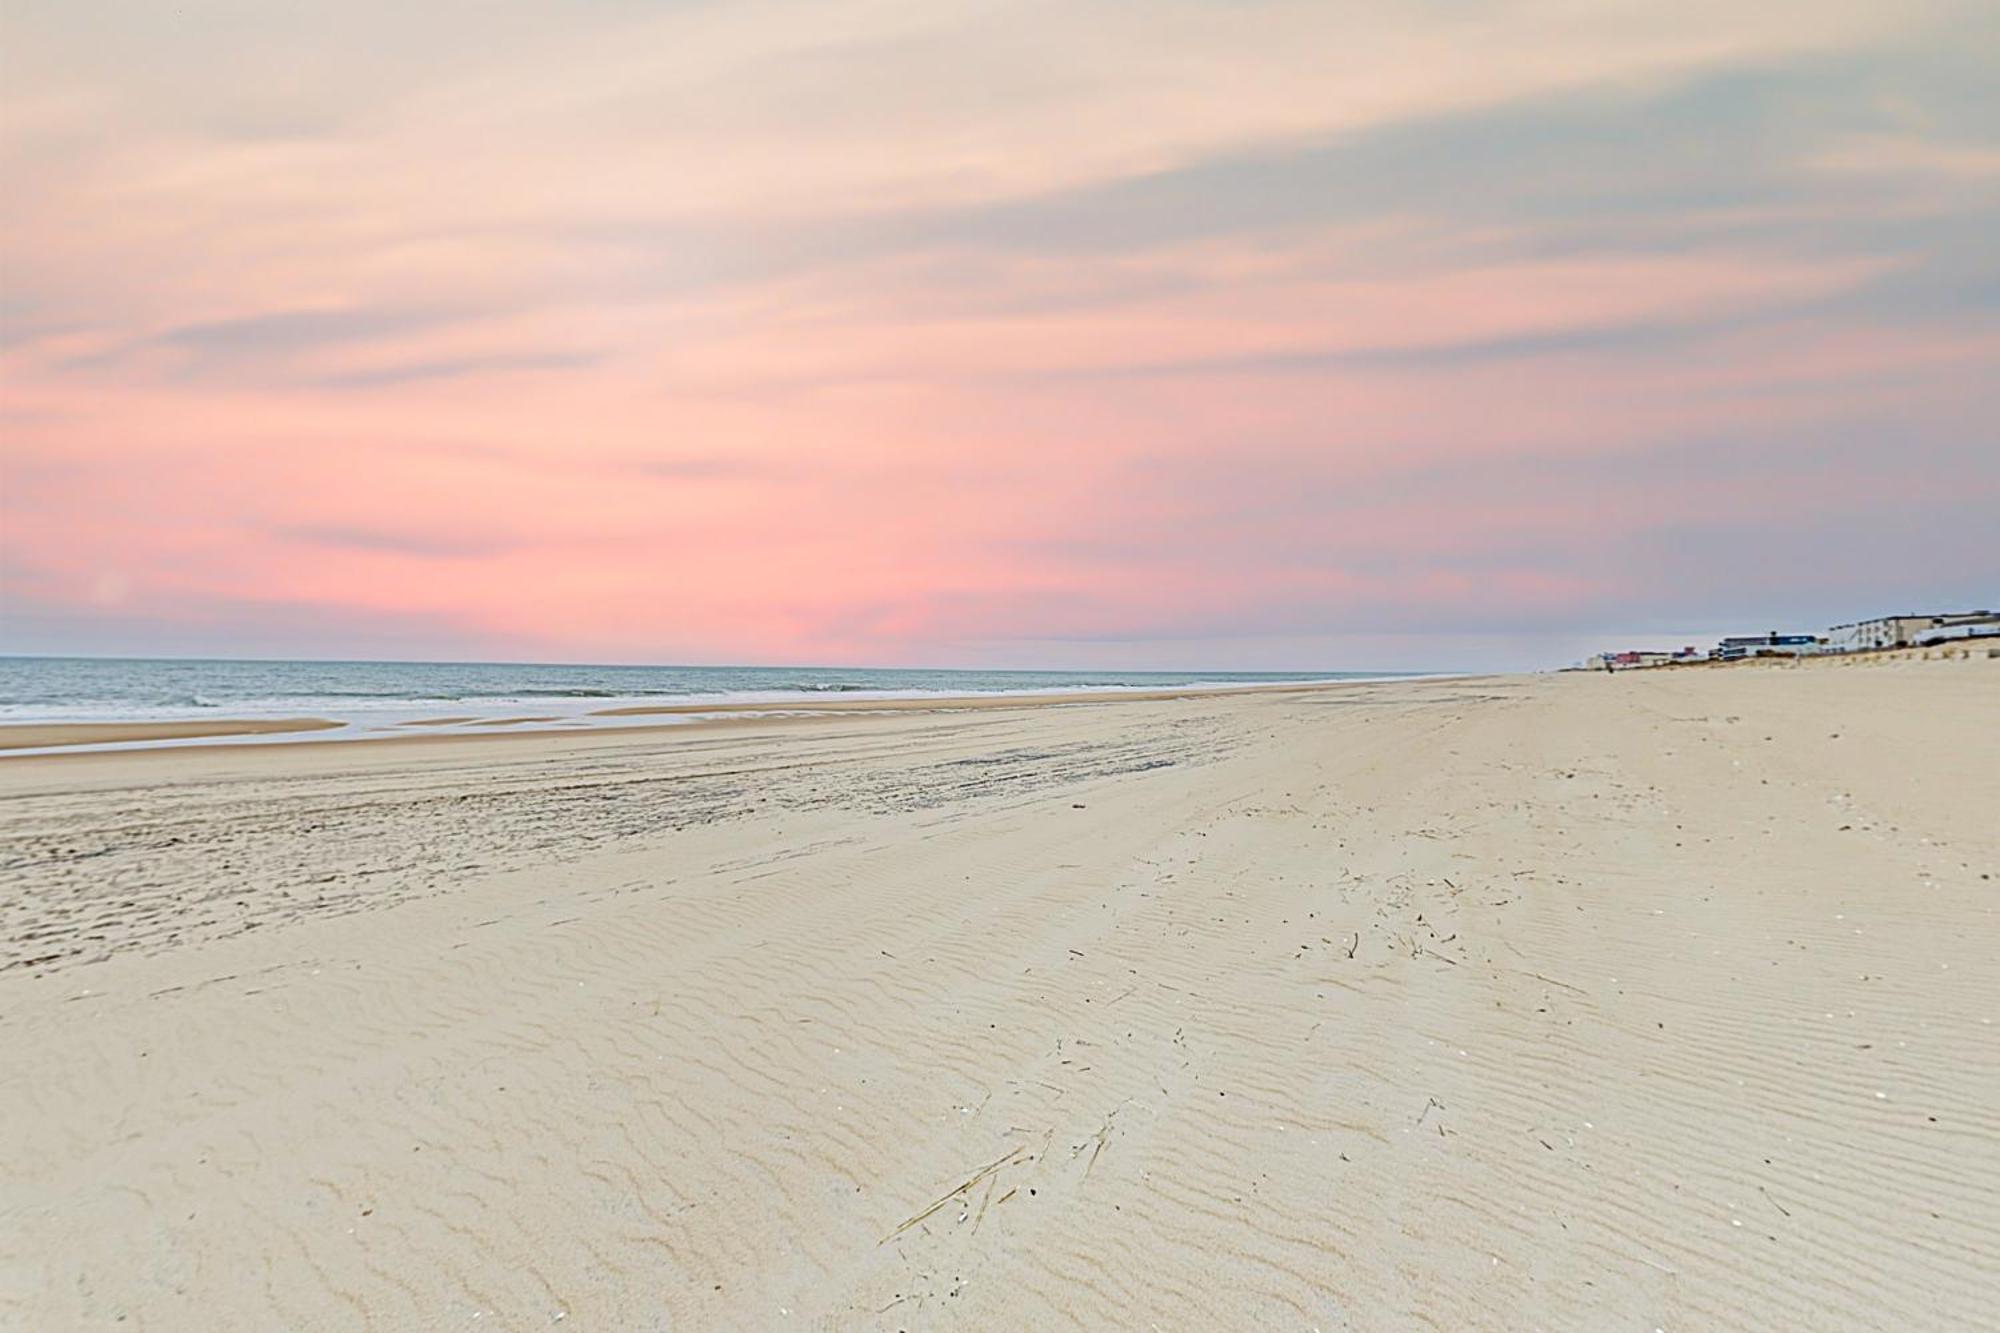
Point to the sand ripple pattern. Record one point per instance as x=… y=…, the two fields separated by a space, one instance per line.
x=1580 y=1003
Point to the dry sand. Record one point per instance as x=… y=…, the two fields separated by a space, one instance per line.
x=1649 y=1001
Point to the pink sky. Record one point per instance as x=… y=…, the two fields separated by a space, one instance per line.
x=1267 y=335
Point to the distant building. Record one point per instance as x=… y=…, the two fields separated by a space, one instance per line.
x=1739 y=646
x=1633 y=658
x=1912 y=631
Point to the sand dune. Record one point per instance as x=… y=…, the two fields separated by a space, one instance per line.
x=1649 y=1001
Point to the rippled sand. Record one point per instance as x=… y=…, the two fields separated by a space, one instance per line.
x=1658 y=1000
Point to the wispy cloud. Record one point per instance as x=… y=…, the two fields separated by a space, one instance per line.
x=458 y=368
x=282 y=331
x=824 y=330
x=384 y=541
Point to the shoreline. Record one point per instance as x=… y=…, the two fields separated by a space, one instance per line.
x=52 y=740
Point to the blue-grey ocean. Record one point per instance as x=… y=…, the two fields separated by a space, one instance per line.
x=368 y=696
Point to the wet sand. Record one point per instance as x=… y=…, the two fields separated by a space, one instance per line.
x=37 y=735
x=934 y=703
x=43 y=735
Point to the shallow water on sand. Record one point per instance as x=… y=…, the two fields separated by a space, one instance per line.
x=367 y=697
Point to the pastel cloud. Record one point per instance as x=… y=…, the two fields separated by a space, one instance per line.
x=954 y=332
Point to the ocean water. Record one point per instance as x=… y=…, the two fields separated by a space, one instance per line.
x=370 y=697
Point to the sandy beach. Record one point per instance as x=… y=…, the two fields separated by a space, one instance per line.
x=1662 y=1000
x=33 y=735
